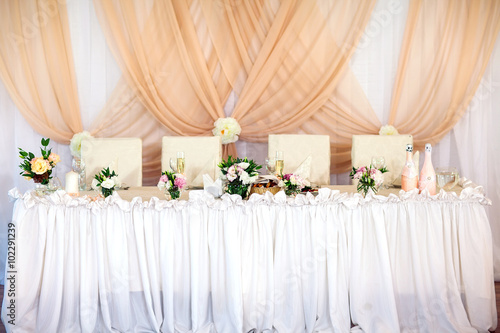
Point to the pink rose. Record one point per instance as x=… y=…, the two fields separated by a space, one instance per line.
x=164 y=178
x=180 y=182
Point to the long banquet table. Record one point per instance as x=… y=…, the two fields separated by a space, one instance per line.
x=331 y=262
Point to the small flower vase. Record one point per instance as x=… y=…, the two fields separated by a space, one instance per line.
x=79 y=167
x=173 y=194
x=292 y=192
x=106 y=192
x=40 y=189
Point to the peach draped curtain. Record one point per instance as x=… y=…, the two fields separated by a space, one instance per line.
x=282 y=60
x=286 y=62
x=36 y=66
x=446 y=48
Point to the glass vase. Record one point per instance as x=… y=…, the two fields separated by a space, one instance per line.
x=173 y=195
x=41 y=189
x=79 y=167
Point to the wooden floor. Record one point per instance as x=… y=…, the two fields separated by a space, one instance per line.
x=497 y=292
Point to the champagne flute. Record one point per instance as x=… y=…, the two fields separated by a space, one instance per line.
x=180 y=162
x=280 y=162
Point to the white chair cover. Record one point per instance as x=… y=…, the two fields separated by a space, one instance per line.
x=392 y=147
x=302 y=149
x=202 y=155
x=124 y=155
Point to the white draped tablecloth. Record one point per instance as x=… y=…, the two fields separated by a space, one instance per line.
x=335 y=262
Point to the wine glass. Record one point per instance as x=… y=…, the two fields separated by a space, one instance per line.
x=173 y=164
x=378 y=162
x=270 y=165
x=446 y=177
x=280 y=162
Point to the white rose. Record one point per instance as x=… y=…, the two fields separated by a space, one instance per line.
x=95 y=184
x=388 y=130
x=75 y=145
x=227 y=128
x=244 y=165
x=245 y=178
x=108 y=183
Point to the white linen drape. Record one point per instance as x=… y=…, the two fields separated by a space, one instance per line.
x=472 y=145
x=310 y=264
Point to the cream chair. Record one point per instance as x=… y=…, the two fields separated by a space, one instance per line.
x=124 y=155
x=202 y=155
x=308 y=153
x=391 y=147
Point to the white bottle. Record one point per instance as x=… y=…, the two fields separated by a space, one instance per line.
x=409 y=174
x=427 y=174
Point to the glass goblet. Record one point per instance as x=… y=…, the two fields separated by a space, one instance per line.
x=270 y=166
x=378 y=162
x=173 y=164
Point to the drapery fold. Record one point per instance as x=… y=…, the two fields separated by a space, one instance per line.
x=286 y=62
x=446 y=48
x=36 y=66
x=283 y=60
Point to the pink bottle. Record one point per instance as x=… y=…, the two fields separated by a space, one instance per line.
x=409 y=175
x=427 y=174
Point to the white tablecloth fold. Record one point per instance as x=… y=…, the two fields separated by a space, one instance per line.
x=397 y=263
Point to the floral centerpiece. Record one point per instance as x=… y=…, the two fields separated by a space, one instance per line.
x=292 y=184
x=228 y=129
x=38 y=168
x=172 y=183
x=106 y=180
x=368 y=178
x=239 y=174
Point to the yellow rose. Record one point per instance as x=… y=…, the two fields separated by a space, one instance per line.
x=40 y=165
x=54 y=158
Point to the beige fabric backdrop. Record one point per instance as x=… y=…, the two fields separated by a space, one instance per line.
x=36 y=66
x=286 y=62
x=446 y=47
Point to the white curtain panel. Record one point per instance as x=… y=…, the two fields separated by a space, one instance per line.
x=471 y=146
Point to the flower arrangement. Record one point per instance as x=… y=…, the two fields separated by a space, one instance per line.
x=228 y=129
x=75 y=145
x=239 y=174
x=292 y=184
x=388 y=130
x=106 y=180
x=172 y=183
x=38 y=168
x=368 y=178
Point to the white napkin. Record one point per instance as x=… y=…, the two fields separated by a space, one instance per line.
x=211 y=186
x=200 y=177
x=304 y=169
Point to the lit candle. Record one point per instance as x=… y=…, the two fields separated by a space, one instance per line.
x=72 y=183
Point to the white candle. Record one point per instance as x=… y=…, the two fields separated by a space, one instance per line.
x=72 y=182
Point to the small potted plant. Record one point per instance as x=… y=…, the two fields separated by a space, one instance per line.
x=292 y=184
x=106 y=180
x=172 y=183
x=368 y=178
x=39 y=169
